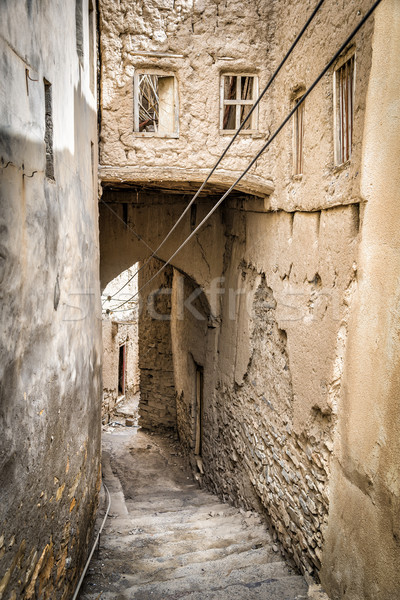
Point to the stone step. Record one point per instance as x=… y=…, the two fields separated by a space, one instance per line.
x=191 y=512
x=244 y=568
x=283 y=588
x=186 y=558
x=191 y=496
x=167 y=539
x=171 y=543
x=155 y=524
x=272 y=588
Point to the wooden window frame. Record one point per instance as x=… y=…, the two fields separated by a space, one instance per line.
x=238 y=103
x=298 y=134
x=343 y=134
x=136 y=82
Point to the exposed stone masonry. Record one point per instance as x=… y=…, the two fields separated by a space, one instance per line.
x=157 y=389
x=288 y=472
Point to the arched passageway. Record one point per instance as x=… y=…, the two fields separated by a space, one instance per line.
x=177 y=314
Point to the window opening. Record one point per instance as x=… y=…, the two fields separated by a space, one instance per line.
x=48 y=130
x=92 y=66
x=344 y=84
x=298 y=136
x=79 y=29
x=155 y=104
x=238 y=95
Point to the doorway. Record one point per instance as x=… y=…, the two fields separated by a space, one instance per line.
x=199 y=394
x=122 y=370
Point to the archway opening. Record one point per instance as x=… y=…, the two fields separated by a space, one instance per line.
x=121 y=375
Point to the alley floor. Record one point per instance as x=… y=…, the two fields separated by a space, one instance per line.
x=166 y=538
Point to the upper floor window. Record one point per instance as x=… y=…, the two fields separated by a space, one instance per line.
x=238 y=95
x=298 y=134
x=344 y=108
x=156 y=105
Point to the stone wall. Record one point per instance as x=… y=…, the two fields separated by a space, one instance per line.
x=157 y=390
x=282 y=342
x=50 y=328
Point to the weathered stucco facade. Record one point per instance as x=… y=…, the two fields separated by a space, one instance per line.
x=50 y=341
x=294 y=333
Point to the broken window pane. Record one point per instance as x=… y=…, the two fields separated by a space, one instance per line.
x=148 y=102
x=155 y=104
x=230 y=117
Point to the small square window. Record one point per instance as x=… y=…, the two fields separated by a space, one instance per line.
x=344 y=109
x=155 y=105
x=238 y=95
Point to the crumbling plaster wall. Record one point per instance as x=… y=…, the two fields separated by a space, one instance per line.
x=208 y=35
x=323 y=183
x=227 y=36
x=288 y=282
x=193 y=333
x=50 y=341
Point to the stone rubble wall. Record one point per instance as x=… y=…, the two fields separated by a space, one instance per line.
x=270 y=424
x=157 y=389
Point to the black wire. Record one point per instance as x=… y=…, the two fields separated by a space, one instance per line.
x=301 y=100
x=254 y=106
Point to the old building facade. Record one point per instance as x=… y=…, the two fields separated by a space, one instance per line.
x=272 y=321
x=270 y=342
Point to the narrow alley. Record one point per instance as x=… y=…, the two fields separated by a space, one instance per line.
x=200 y=300
x=167 y=539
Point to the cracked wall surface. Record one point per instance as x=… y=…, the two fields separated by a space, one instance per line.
x=50 y=329
x=282 y=342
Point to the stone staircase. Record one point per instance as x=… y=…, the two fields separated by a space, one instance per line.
x=167 y=539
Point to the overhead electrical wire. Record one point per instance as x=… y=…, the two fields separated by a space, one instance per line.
x=264 y=147
x=254 y=106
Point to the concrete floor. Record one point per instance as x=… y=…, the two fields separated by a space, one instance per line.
x=167 y=539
